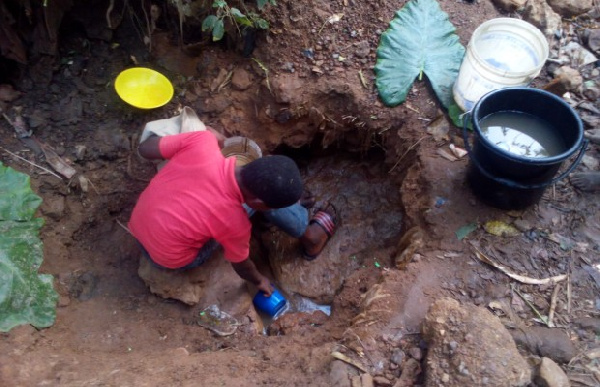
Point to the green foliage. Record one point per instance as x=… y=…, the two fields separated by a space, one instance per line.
x=26 y=297
x=261 y=3
x=420 y=40
x=216 y=23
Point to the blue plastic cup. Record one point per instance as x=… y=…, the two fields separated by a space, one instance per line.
x=270 y=305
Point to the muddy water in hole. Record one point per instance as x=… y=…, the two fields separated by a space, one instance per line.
x=368 y=203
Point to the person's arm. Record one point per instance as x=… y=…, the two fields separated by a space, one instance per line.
x=248 y=271
x=220 y=137
x=149 y=149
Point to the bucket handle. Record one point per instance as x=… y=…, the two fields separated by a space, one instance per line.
x=512 y=183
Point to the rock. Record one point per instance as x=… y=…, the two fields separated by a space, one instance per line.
x=398 y=356
x=522 y=225
x=591 y=37
x=578 y=55
x=363 y=48
x=509 y=5
x=110 y=141
x=8 y=93
x=64 y=301
x=214 y=282
x=551 y=375
x=570 y=8
x=548 y=342
x=80 y=285
x=341 y=374
x=592 y=94
x=566 y=79
x=217 y=104
x=590 y=162
x=415 y=353
x=53 y=207
x=318 y=280
x=241 y=79
x=286 y=87
x=590 y=323
x=380 y=381
x=487 y=355
x=410 y=372
x=539 y=13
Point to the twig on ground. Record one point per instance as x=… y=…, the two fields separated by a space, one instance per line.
x=363 y=81
x=34 y=164
x=526 y=280
x=124 y=227
x=111 y=5
x=569 y=285
x=553 y=305
x=537 y=312
x=346 y=359
x=406 y=152
x=225 y=81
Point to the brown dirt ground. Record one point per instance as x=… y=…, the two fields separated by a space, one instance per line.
x=110 y=330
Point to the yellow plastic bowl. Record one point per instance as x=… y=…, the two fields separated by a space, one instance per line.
x=143 y=88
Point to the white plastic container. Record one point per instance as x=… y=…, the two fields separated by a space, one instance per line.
x=502 y=52
x=244 y=149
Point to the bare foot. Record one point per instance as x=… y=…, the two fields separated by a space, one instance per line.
x=586 y=181
x=593 y=135
x=320 y=229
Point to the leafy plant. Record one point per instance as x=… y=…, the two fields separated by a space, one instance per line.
x=420 y=40
x=216 y=23
x=26 y=297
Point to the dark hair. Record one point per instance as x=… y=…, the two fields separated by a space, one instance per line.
x=273 y=179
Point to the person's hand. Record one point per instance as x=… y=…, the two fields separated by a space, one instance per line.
x=265 y=286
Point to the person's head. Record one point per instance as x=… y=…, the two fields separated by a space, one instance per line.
x=271 y=181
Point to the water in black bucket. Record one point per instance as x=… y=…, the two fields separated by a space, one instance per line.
x=522 y=134
x=511 y=169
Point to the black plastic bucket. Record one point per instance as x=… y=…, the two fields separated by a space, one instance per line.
x=507 y=180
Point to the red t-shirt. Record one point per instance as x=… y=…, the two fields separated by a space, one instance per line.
x=193 y=198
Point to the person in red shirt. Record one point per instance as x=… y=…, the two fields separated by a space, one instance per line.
x=201 y=200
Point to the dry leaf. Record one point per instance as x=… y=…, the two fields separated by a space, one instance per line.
x=458 y=152
x=445 y=154
x=56 y=161
x=501 y=229
x=336 y=17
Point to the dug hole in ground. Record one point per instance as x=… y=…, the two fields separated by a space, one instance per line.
x=411 y=279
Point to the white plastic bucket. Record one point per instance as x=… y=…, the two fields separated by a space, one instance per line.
x=502 y=52
x=244 y=149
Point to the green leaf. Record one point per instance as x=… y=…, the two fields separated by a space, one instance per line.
x=420 y=39
x=237 y=13
x=261 y=23
x=209 y=23
x=244 y=21
x=219 y=4
x=26 y=297
x=465 y=230
x=17 y=201
x=218 y=31
x=261 y=3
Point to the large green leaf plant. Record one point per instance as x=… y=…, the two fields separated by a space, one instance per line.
x=420 y=40
x=26 y=297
